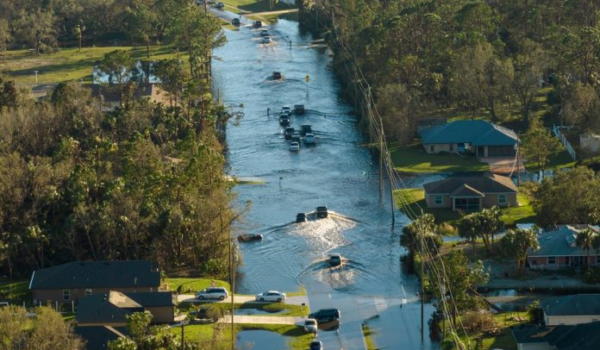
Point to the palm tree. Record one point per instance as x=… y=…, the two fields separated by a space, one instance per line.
x=517 y=243
x=585 y=241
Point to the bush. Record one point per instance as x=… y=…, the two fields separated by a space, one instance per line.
x=592 y=276
x=479 y=321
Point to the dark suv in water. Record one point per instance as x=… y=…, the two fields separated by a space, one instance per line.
x=326 y=315
x=322 y=212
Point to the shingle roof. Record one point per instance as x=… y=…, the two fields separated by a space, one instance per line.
x=148 y=299
x=560 y=242
x=97 y=337
x=579 y=337
x=97 y=274
x=471 y=185
x=106 y=308
x=475 y=132
x=572 y=305
x=465 y=190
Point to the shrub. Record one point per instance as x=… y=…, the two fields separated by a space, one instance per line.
x=479 y=321
x=592 y=276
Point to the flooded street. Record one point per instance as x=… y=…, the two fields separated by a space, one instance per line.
x=338 y=172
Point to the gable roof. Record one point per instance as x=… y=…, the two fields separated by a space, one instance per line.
x=475 y=132
x=113 y=306
x=142 y=90
x=457 y=186
x=97 y=337
x=561 y=242
x=575 y=337
x=572 y=305
x=97 y=274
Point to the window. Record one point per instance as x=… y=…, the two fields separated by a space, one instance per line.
x=66 y=294
x=551 y=260
x=88 y=292
x=438 y=200
x=467 y=204
x=502 y=199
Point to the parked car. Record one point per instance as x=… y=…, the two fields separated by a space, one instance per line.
x=248 y=237
x=310 y=325
x=335 y=259
x=276 y=76
x=287 y=110
x=271 y=295
x=305 y=129
x=284 y=120
x=299 y=109
x=219 y=293
x=289 y=131
x=236 y=22
x=309 y=139
x=266 y=40
x=316 y=345
x=264 y=32
x=300 y=217
x=257 y=24
x=294 y=147
x=322 y=212
x=220 y=5
x=326 y=315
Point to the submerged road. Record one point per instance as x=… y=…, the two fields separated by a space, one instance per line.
x=337 y=172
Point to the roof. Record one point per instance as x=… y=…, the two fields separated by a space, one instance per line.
x=106 y=308
x=475 y=132
x=561 y=242
x=578 y=337
x=150 y=299
x=572 y=305
x=113 y=306
x=458 y=186
x=97 y=337
x=97 y=274
x=143 y=90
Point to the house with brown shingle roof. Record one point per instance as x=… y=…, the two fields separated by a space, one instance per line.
x=471 y=193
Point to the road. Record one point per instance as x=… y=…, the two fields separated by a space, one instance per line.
x=240 y=299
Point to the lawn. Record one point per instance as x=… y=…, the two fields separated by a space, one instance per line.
x=368 y=334
x=217 y=336
x=191 y=285
x=505 y=340
x=559 y=160
x=16 y=291
x=415 y=198
x=69 y=63
x=413 y=159
x=245 y=6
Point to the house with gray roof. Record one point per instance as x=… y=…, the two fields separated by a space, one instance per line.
x=559 y=251
x=111 y=309
x=479 y=137
x=571 y=309
x=69 y=282
x=97 y=337
x=574 y=337
x=471 y=193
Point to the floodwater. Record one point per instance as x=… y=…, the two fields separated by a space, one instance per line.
x=263 y=340
x=338 y=172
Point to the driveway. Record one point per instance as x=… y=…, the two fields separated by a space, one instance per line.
x=240 y=299
x=504 y=165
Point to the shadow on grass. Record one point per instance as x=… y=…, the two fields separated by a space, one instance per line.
x=414 y=159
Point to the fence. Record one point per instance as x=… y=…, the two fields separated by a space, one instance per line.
x=565 y=142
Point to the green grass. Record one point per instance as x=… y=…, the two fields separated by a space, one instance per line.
x=415 y=198
x=16 y=291
x=414 y=160
x=254 y=6
x=557 y=161
x=298 y=338
x=69 y=63
x=299 y=293
x=277 y=309
x=190 y=285
x=196 y=333
x=505 y=339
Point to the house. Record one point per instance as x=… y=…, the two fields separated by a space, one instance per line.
x=559 y=251
x=480 y=137
x=471 y=193
x=110 y=309
x=68 y=282
x=110 y=97
x=571 y=309
x=97 y=337
x=575 y=337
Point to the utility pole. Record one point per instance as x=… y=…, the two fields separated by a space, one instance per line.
x=232 y=284
x=392 y=203
x=518 y=160
x=422 y=276
x=317 y=15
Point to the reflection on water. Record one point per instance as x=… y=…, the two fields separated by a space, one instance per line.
x=263 y=340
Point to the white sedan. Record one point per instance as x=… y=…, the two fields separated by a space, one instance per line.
x=271 y=295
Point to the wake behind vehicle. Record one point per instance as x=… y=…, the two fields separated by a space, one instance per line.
x=215 y=293
x=271 y=295
x=326 y=315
